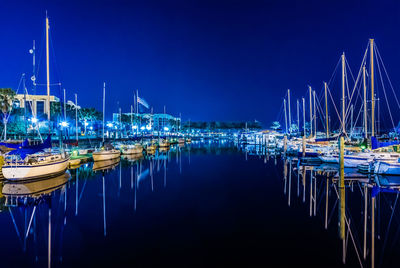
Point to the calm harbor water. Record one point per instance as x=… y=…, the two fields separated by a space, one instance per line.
x=203 y=205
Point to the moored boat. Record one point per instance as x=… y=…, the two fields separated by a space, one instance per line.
x=34 y=166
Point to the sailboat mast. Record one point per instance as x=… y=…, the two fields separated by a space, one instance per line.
x=351 y=120
x=33 y=78
x=290 y=117
x=131 y=117
x=311 y=127
x=365 y=105
x=304 y=116
x=343 y=96
x=298 y=115
x=284 y=107
x=48 y=68
x=315 y=116
x=76 y=116
x=326 y=110
x=371 y=49
x=104 y=105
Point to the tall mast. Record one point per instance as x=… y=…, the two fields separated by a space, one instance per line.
x=290 y=117
x=104 y=105
x=33 y=78
x=371 y=49
x=120 y=122
x=76 y=116
x=298 y=115
x=315 y=116
x=48 y=68
x=365 y=105
x=131 y=117
x=326 y=110
x=165 y=118
x=343 y=96
x=284 y=107
x=311 y=127
x=304 y=116
x=65 y=110
x=351 y=120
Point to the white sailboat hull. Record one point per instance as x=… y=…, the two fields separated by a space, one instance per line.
x=106 y=155
x=30 y=172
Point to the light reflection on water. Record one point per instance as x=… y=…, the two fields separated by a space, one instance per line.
x=204 y=204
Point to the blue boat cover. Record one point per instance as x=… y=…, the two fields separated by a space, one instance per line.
x=25 y=149
x=375 y=144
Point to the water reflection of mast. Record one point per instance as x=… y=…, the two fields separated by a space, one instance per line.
x=365 y=219
x=76 y=191
x=372 y=231
x=49 y=238
x=120 y=177
x=180 y=161
x=284 y=175
x=290 y=181
x=326 y=203
x=104 y=206
x=165 y=172
x=151 y=174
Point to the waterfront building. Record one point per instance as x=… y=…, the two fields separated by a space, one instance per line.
x=35 y=104
x=156 y=122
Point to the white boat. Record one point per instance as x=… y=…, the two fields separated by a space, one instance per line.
x=131 y=149
x=103 y=155
x=107 y=152
x=354 y=160
x=34 y=166
x=163 y=143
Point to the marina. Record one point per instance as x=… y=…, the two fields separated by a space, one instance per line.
x=144 y=200
x=199 y=134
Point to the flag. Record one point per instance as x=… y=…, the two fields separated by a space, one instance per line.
x=142 y=102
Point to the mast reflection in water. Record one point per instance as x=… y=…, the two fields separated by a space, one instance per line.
x=207 y=203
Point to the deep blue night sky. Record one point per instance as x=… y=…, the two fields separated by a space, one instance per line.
x=209 y=60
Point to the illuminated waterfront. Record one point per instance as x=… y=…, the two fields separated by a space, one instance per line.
x=202 y=204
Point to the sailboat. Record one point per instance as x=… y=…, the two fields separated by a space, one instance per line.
x=107 y=151
x=33 y=162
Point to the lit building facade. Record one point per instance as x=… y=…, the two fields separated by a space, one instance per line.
x=157 y=122
x=35 y=104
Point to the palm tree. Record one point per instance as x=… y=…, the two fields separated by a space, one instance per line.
x=7 y=97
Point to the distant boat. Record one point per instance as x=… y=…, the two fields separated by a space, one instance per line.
x=127 y=149
x=107 y=151
x=163 y=143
